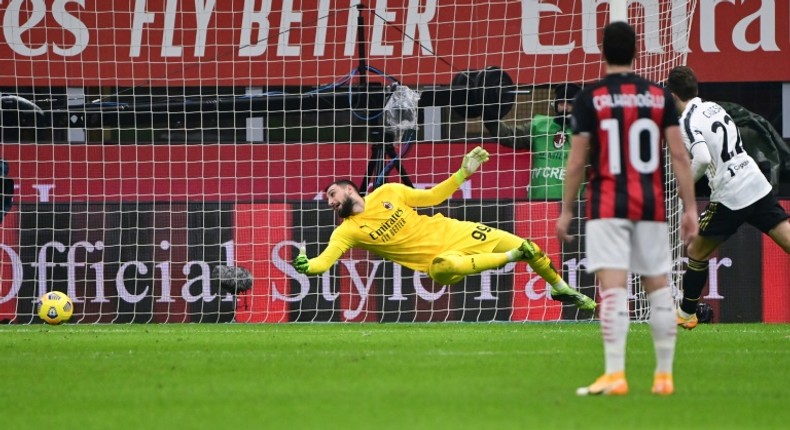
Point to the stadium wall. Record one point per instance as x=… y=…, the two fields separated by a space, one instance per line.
x=144 y=253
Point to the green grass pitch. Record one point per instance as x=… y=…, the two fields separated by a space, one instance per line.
x=382 y=376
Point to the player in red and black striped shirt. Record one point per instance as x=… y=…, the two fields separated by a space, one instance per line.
x=619 y=125
x=625 y=116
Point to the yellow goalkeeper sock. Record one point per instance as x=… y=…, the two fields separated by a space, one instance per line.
x=543 y=266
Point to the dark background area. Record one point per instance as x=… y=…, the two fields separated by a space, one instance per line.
x=200 y=122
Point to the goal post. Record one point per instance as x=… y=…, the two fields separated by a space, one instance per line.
x=149 y=143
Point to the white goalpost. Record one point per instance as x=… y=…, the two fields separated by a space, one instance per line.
x=151 y=142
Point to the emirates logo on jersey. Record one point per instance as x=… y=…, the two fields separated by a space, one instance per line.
x=387 y=205
x=560 y=139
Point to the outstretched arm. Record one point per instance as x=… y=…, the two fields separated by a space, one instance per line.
x=445 y=189
x=315 y=266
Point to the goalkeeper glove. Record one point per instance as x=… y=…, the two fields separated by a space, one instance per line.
x=471 y=163
x=301 y=262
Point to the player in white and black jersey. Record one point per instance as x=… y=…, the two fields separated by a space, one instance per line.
x=740 y=193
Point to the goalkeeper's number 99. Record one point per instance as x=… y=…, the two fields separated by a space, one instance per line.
x=480 y=231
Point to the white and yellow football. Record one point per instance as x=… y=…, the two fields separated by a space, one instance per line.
x=55 y=308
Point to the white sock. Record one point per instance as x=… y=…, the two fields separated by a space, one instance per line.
x=664 y=327
x=514 y=255
x=615 y=319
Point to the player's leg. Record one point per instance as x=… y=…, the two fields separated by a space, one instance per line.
x=476 y=248
x=487 y=248
x=608 y=246
x=781 y=235
x=543 y=266
x=484 y=248
x=651 y=258
x=695 y=277
x=451 y=267
x=770 y=218
x=716 y=224
x=529 y=251
x=615 y=321
x=664 y=329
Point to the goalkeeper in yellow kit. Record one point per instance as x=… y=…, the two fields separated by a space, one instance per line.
x=386 y=224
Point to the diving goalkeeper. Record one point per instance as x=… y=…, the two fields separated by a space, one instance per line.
x=386 y=224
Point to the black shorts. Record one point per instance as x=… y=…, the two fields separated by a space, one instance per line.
x=722 y=222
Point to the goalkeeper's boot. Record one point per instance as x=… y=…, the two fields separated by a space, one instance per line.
x=662 y=384
x=566 y=294
x=687 y=323
x=610 y=384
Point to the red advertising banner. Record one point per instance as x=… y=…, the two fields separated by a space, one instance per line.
x=90 y=43
x=10 y=266
x=776 y=278
x=256 y=228
x=239 y=173
x=746 y=41
x=531 y=300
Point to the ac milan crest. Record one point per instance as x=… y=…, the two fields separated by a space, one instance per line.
x=560 y=138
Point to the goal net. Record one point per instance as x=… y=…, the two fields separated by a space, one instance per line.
x=150 y=142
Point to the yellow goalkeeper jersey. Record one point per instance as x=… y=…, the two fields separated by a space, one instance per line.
x=391 y=228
